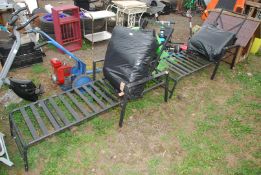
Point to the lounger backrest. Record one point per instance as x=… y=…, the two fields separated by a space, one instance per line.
x=128 y=57
x=210 y=42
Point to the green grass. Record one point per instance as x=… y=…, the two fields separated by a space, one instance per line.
x=85 y=46
x=39 y=68
x=238 y=129
x=153 y=165
x=248 y=168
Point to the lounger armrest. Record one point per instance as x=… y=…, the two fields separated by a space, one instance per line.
x=146 y=79
x=231 y=47
x=94 y=63
x=98 y=60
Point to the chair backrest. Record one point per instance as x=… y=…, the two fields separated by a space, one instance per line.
x=211 y=40
x=129 y=56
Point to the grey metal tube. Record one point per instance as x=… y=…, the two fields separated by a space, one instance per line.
x=10 y=58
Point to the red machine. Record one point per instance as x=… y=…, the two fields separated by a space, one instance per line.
x=68 y=29
x=62 y=72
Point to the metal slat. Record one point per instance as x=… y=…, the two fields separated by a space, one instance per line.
x=190 y=60
x=197 y=59
x=86 y=100
x=102 y=94
x=184 y=61
x=173 y=69
x=29 y=123
x=59 y=112
x=69 y=107
x=107 y=84
x=106 y=91
x=188 y=64
x=39 y=120
x=202 y=65
x=174 y=66
x=185 y=56
x=182 y=67
x=79 y=106
x=94 y=96
x=49 y=115
x=153 y=87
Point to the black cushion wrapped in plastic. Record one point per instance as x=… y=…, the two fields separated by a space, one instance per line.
x=128 y=58
x=210 y=42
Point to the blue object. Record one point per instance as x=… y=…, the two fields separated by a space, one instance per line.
x=82 y=15
x=3 y=28
x=79 y=68
x=49 y=17
x=162 y=40
x=78 y=71
x=81 y=80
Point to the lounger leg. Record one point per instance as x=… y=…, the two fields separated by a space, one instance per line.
x=11 y=127
x=25 y=159
x=94 y=70
x=173 y=88
x=215 y=70
x=123 y=108
x=166 y=87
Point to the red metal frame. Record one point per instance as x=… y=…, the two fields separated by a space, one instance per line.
x=68 y=29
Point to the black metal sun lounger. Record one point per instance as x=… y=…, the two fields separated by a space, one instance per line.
x=209 y=46
x=37 y=121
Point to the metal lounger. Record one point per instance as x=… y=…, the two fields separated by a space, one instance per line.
x=182 y=64
x=47 y=117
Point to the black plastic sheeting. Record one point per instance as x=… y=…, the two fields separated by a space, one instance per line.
x=210 y=42
x=128 y=58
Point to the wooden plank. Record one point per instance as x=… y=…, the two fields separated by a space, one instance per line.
x=251 y=12
x=245 y=51
x=235 y=15
x=239 y=54
x=253 y=4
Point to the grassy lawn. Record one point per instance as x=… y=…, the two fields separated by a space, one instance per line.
x=208 y=127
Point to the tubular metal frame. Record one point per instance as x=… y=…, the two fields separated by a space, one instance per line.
x=183 y=64
x=96 y=95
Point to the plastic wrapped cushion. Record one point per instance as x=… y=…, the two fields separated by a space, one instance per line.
x=210 y=42
x=128 y=56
